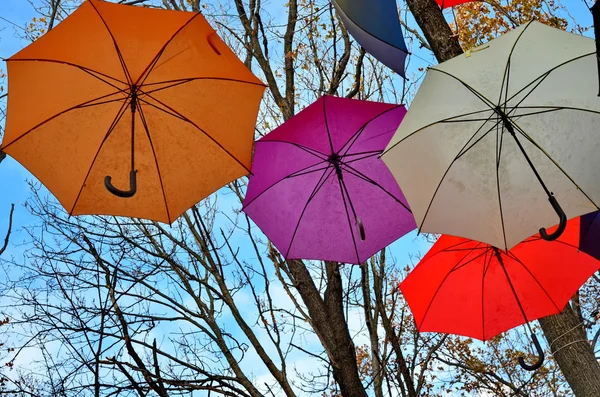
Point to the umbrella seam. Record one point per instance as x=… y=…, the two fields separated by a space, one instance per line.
x=111 y=128
x=119 y=54
x=499 y=141
x=441 y=282
x=154 y=61
x=162 y=186
x=356 y=173
x=514 y=257
x=448 y=170
x=83 y=68
x=79 y=106
x=285 y=178
x=316 y=189
x=372 y=35
x=358 y=133
x=340 y=183
x=198 y=128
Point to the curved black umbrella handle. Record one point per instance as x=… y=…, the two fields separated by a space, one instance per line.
x=122 y=193
x=561 y=226
x=361 y=229
x=540 y=353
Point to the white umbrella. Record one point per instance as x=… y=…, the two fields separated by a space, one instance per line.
x=496 y=133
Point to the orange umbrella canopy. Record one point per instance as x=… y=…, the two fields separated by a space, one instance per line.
x=131 y=111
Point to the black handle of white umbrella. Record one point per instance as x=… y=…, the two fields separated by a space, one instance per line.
x=561 y=226
x=122 y=193
x=540 y=353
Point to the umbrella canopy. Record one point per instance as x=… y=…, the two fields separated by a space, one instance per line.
x=589 y=240
x=376 y=27
x=507 y=138
x=473 y=289
x=318 y=189
x=118 y=99
x=451 y=3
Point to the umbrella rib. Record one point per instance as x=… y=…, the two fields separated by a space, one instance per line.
x=545 y=74
x=472 y=145
x=303 y=171
x=372 y=35
x=446 y=120
x=448 y=170
x=506 y=75
x=152 y=64
x=528 y=138
x=318 y=186
x=162 y=186
x=87 y=70
x=357 y=134
x=441 y=284
x=486 y=267
x=353 y=171
x=307 y=149
x=79 y=106
x=512 y=287
x=182 y=117
x=343 y=189
x=110 y=130
x=327 y=125
x=119 y=54
x=513 y=256
x=175 y=83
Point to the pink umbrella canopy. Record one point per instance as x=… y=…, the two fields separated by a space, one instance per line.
x=318 y=189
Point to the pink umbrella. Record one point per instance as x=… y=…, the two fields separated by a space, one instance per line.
x=318 y=189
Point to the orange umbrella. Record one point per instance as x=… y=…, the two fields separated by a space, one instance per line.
x=121 y=99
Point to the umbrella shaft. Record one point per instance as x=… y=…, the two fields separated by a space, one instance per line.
x=509 y=127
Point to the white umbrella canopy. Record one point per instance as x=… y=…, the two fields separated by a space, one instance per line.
x=499 y=141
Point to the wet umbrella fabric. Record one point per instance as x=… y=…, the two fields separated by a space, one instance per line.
x=470 y=288
x=507 y=136
x=131 y=111
x=318 y=189
x=376 y=27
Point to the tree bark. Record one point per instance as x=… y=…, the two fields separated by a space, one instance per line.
x=571 y=350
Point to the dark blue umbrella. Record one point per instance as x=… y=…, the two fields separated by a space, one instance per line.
x=589 y=240
x=375 y=25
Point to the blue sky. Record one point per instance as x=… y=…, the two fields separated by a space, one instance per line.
x=13 y=177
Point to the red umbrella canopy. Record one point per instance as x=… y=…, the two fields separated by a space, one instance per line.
x=470 y=288
x=451 y=3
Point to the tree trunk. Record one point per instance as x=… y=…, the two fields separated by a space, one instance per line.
x=329 y=323
x=574 y=354
x=571 y=350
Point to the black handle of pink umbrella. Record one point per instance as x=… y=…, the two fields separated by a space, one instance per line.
x=122 y=193
x=361 y=229
x=561 y=226
x=540 y=353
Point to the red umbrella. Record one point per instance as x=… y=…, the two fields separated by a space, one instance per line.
x=473 y=289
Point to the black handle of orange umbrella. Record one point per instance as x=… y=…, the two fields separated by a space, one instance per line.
x=540 y=353
x=122 y=193
x=561 y=226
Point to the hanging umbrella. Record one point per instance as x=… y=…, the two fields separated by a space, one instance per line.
x=499 y=133
x=318 y=190
x=595 y=9
x=376 y=27
x=131 y=111
x=589 y=240
x=470 y=288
